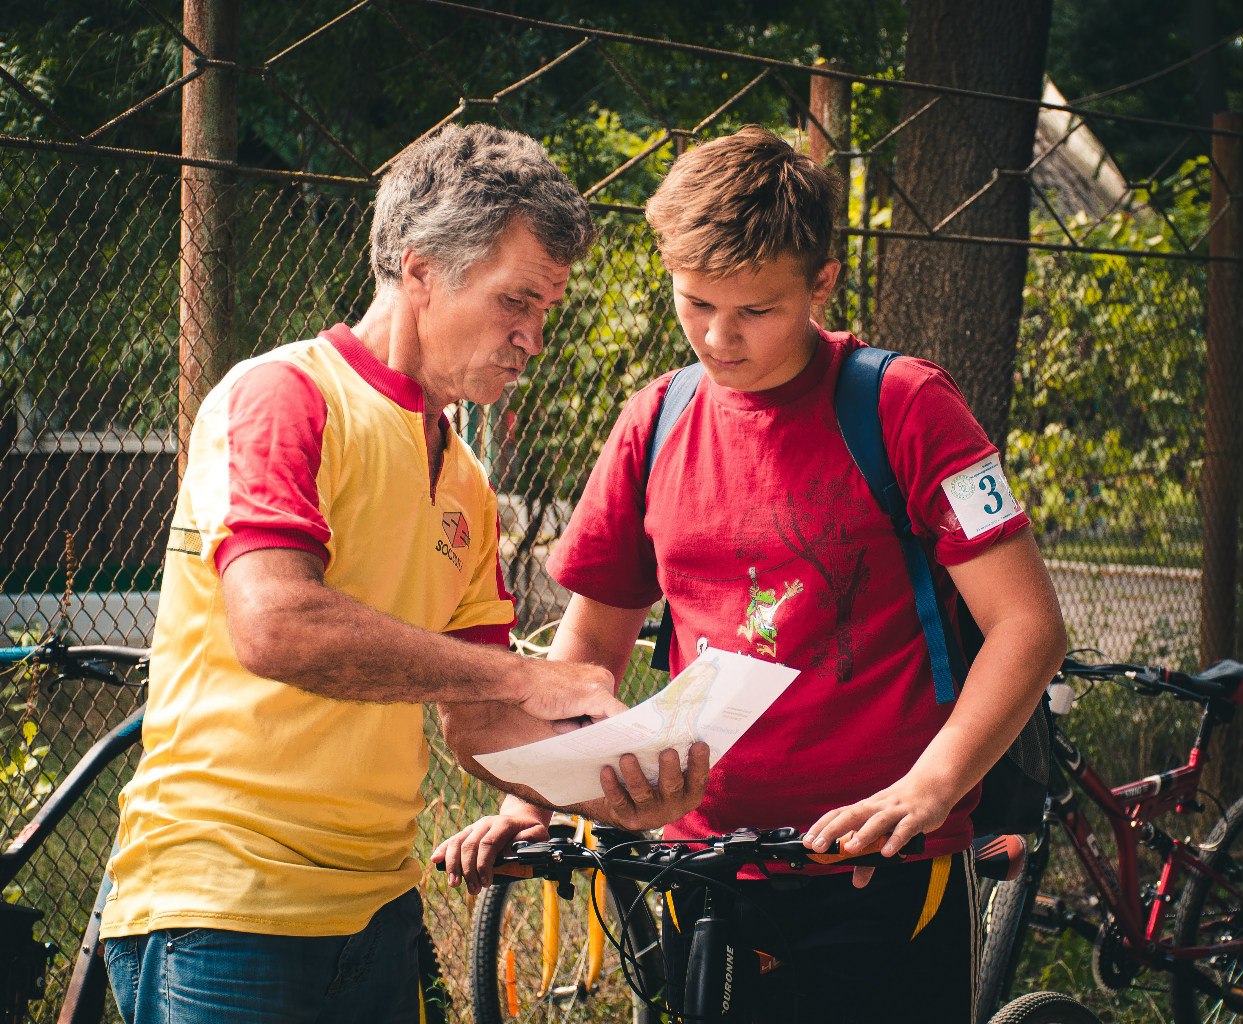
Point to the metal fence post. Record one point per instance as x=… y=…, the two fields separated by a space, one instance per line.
x=829 y=103
x=208 y=345
x=1223 y=414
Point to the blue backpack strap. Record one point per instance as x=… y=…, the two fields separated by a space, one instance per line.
x=677 y=397
x=857 y=401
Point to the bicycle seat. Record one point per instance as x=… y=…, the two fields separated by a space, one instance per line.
x=1225 y=671
x=1221 y=679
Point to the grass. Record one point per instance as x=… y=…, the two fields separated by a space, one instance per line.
x=1063 y=963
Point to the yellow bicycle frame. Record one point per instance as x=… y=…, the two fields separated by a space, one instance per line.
x=550 y=929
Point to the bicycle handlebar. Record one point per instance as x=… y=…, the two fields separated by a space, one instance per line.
x=1219 y=681
x=644 y=859
x=92 y=661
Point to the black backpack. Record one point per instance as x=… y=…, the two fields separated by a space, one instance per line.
x=1013 y=793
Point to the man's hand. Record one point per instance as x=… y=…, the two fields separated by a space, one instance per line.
x=632 y=802
x=559 y=691
x=896 y=814
x=470 y=855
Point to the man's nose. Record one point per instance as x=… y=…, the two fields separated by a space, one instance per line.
x=529 y=336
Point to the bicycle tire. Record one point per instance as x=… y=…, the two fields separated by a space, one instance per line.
x=1192 y=927
x=1045 y=1008
x=1005 y=909
x=506 y=927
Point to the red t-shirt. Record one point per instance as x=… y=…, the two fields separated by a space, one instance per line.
x=763 y=535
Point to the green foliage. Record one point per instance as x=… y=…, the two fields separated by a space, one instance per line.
x=1110 y=390
x=24 y=778
x=1095 y=46
x=88 y=296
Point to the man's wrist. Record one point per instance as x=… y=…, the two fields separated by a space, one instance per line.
x=515 y=806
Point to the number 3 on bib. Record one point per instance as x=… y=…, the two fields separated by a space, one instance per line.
x=981 y=497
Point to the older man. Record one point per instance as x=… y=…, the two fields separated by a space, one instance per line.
x=332 y=565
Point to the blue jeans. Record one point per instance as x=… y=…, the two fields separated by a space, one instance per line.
x=211 y=976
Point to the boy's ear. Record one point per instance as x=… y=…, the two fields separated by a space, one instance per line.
x=822 y=284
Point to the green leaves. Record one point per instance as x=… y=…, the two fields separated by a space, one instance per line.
x=1110 y=394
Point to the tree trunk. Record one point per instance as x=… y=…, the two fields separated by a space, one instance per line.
x=1221 y=486
x=959 y=304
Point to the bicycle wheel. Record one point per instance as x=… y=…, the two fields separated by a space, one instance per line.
x=1209 y=913
x=506 y=958
x=1006 y=908
x=1045 y=1008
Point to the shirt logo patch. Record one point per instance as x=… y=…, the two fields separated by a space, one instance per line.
x=456 y=528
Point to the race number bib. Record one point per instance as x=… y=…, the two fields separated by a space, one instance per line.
x=980 y=497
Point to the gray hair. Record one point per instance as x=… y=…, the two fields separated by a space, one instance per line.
x=450 y=196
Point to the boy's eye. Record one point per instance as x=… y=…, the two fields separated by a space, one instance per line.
x=757 y=312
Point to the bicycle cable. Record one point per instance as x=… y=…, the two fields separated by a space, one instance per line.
x=678 y=868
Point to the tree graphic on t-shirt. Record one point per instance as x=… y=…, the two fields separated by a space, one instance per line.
x=816 y=525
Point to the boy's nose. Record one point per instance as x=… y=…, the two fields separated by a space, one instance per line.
x=721 y=330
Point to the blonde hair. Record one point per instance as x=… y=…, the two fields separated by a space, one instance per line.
x=741 y=201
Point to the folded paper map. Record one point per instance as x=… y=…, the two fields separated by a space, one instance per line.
x=716 y=699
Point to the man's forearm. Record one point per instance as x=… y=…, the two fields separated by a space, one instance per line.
x=325 y=641
x=287 y=624
x=488 y=726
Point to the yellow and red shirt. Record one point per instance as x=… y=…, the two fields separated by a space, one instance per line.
x=259 y=806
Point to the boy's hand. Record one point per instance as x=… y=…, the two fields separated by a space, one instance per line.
x=898 y=812
x=470 y=855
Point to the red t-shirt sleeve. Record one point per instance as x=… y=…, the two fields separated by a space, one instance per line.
x=495 y=635
x=931 y=435
x=605 y=553
x=276 y=418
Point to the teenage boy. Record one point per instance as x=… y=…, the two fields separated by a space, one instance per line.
x=763 y=537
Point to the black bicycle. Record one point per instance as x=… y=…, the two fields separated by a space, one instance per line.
x=515 y=978
x=26 y=960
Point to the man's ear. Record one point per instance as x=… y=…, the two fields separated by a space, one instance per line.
x=416 y=275
x=822 y=284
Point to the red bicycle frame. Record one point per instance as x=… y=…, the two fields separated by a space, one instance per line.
x=1130 y=809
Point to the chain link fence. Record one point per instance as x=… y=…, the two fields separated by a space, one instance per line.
x=1105 y=448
